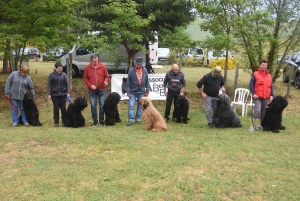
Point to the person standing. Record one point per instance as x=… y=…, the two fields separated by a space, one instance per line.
x=137 y=86
x=213 y=82
x=58 y=89
x=175 y=82
x=262 y=90
x=16 y=86
x=96 y=79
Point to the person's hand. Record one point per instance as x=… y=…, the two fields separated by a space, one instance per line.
x=105 y=83
x=254 y=96
x=128 y=95
x=7 y=97
x=204 y=95
x=49 y=97
x=181 y=94
x=165 y=93
x=93 y=87
x=271 y=98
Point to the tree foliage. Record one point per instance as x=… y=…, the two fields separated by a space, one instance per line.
x=36 y=23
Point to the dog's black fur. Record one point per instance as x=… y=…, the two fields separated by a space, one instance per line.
x=224 y=115
x=74 y=118
x=111 y=109
x=31 y=111
x=182 y=110
x=273 y=117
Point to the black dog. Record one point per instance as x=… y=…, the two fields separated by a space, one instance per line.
x=111 y=109
x=31 y=111
x=273 y=117
x=182 y=110
x=74 y=118
x=224 y=116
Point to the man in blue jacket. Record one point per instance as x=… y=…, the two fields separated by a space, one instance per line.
x=137 y=86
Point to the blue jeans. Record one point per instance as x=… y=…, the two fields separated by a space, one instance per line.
x=210 y=105
x=17 y=104
x=93 y=100
x=131 y=103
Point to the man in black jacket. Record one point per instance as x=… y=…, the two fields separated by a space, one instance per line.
x=213 y=83
x=175 y=82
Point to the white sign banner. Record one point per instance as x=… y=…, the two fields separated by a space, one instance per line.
x=156 y=82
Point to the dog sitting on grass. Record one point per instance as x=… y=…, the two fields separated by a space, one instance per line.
x=31 y=111
x=273 y=117
x=224 y=115
x=74 y=118
x=153 y=119
x=111 y=109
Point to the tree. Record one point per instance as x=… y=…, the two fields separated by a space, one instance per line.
x=33 y=22
x=157 y=14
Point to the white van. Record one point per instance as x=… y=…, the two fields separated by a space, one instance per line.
x=82 y=56
x=163 y=54
x=197 y=52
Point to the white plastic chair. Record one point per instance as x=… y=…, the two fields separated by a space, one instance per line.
x=240 y=98
x=251 y=104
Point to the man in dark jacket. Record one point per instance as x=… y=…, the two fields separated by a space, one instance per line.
x=137 y=86
x=58 y=90
x=213 y=83
x=175 y=82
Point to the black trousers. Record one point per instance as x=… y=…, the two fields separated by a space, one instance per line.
x=172 y=95
x=59 y=102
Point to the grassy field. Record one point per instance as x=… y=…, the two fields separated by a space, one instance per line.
x=187 y=162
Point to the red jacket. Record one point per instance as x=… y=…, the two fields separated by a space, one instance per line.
x=96 y=76
x=263 y=84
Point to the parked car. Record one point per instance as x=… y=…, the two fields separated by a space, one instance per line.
x=214 y=55
x=196 y=53
x=163 y=54
x=287 y=58
x=292 y=64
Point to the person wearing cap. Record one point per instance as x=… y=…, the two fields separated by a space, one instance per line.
x=96 y=79
x=175 y=82
x=261 y=87
x=16 y=86
x=137 y=86
x=212 y=82
x=58 y=89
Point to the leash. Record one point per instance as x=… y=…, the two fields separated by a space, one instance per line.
x=8 y=99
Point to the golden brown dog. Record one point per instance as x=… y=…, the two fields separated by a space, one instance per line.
x=153 y=119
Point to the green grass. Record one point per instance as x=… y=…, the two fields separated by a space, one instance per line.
x=187 y=162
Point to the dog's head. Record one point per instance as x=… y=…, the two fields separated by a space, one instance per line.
x=182 y=100
x=279 y=103
x=81 y=102
x=27 y=99
x=114 y=98
x=223 y=99
x=145 y=102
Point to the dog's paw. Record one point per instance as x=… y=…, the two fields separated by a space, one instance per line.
x=275 y=131
x=281 y=128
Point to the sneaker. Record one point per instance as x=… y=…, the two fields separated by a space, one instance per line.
x=56 y=124
x=137 y=122
x=210 y=125
x=94 y=124
x=101 y=123
x=15 y=124
x=26 y=124
x=129 y=123
x=259 y=127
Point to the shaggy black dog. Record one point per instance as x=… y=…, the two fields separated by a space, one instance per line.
x=273 y=117
x=74 y=118
x=224 y=115
x=182 y=110
x=31 y=111
x=111 y=109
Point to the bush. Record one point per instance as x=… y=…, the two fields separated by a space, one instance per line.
x=189 y=62
x=221 y=62
x=172 y=58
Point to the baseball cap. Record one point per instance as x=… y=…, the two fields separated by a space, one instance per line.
x=217 y=70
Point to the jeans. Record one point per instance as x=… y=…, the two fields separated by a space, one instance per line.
x=210 y=103
x=93 y=100
x=14 y=106
x=131 y=103
x=59 y=102
x=170 y=96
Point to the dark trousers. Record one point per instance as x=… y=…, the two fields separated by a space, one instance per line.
x=59 y=102
x=172 y=95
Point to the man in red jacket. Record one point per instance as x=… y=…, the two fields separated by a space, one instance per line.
x=261 y=87
x=96 y=79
